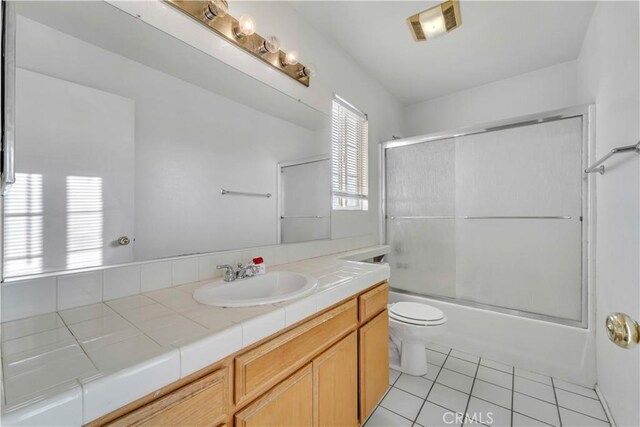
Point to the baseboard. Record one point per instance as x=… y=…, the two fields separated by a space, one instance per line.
x=605 y=406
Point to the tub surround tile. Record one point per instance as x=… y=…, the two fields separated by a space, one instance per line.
x=79 y=289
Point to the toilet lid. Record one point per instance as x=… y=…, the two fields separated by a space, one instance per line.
x=415 y=313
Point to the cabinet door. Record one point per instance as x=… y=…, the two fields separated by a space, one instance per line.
x=290 y=403
x=335 y=384
x=202 y=403
x=374 y=362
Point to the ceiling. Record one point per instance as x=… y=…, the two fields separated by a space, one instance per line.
x=497 y=40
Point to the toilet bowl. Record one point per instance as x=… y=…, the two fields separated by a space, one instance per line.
x=411 y=326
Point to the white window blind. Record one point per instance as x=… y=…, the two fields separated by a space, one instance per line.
x=349 y=154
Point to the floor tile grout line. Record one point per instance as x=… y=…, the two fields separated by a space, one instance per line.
x=579 y=394
x=415 y=420
x=536 y=398
x=557 y=405
x=513 y=387
x=464 y=414
x=533 y=418
x=497 y=385
x=488 y=401
x=394 y=412
x=587 y=415
x=458 y=372
x=412 y=394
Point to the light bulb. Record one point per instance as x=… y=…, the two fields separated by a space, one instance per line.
x=215 y=9
x=290 y=58
x=246 y=26
x=308 y=71
x=271 y=44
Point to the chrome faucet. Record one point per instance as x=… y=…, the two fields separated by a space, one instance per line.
x=243 y=271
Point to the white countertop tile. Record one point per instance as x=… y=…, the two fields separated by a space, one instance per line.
x=140 y=343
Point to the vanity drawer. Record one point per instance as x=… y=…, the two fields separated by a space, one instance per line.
x=373 y=302
x=204 y=402
x=269 y=363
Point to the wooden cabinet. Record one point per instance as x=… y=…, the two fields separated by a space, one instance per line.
x=335 y=384
x=288 y=404
x=258 y=369
x=328 y=370
x=373 y=302
x=373 y=363
x=204 y=402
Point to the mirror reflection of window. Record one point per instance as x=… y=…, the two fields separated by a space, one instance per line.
x=85 y=219
x=23 y=218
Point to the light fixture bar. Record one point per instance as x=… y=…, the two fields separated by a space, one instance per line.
x=227 y=26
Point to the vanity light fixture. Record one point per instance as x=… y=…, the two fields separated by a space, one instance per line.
x=269 y=45
x=436 y=21
x=213 y=14
x=246 y=27
x=215 y=9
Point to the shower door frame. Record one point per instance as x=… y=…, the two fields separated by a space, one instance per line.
x=587 y=114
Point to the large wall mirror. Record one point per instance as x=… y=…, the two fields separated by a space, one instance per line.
x=123 y=130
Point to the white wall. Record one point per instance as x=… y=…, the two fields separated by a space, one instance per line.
x=541 y=90
x=608 y=73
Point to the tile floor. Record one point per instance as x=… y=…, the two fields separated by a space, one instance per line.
x=489 y=393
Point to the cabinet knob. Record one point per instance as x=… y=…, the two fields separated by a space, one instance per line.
x=623 y=330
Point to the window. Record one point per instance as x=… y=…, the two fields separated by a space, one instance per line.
x=349 y=149
x=85 y=218
x=23 y=238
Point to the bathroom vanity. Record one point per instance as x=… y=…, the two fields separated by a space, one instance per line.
x=329 y=369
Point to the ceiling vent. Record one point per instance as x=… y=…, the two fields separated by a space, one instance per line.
x=436 y=21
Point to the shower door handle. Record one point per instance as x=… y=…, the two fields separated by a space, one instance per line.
x=623 y=330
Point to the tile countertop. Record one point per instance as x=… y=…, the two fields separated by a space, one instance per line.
x=76 y=365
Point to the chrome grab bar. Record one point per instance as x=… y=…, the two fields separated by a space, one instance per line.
x=241 y=193
x=302 y=216
x=594 y=167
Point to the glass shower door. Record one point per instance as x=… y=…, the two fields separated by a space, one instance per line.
x=491 y=219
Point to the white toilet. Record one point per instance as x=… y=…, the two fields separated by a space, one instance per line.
x=411 y=326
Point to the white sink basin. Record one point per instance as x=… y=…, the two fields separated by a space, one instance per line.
x=263 y=289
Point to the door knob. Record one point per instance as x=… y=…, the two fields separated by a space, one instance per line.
x=123 y=241
x=623 y=330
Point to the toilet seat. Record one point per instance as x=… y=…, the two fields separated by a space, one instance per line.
x=412 y=313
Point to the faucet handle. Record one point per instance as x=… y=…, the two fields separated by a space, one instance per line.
x=229 y=272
